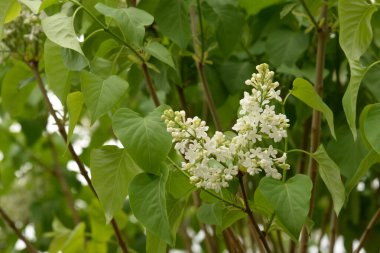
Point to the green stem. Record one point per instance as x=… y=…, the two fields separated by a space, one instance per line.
x=300 y=150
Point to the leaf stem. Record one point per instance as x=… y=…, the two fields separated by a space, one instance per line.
x=61 y=129
x=29 y=246
x=370 y=225
x=250 y=215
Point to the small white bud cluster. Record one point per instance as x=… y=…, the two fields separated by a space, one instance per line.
x=213 y=162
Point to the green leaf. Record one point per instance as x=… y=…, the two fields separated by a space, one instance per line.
x=57 y=75
x=14 y=95
x=290 y=200
x=179 y=185
x=101 y=95
x=368 y=161
x=229 y=28
x=13 y=11
x=330 y=174
x=370 y=126
x=210 y=213
x=67 y=241
x=112 y=170
x=5 y=7
x=47 y=3
x=74 y=103
x=148 y=203
x=33 y=5
x=355 y=34
x=154 y=244
x=304 y=91
x=160 y=52
x=59 y=28
x=172 y=18
x=73 y=60
x=100 y=231
x=254 y=7
x=145 y=138
x=229 y=217
x=131 y=21
x=286 y=51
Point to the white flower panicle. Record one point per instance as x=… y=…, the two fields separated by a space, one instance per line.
x=213 y=162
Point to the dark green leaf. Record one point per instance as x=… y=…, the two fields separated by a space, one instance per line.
x=145 y=138
x=210 y=213
x=148 y=203
x=172 y=18
x=101 y=95
x=112 y=170
x=284 y=47
x=254 y=7
x=370 y=126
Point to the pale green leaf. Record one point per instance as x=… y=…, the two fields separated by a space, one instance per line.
x=154 y=244
x=355 y=34
x=74 y=103
x=13 y=11
x=14 y=95
x=160 y=52
x=101 y=95
x=290 y=200
x=145 y=138
x=358 y=71
x=304 y=91
x=59 y=28
x=148 y=203
x=330 y=174
x=112 y=170
x=210 y=213
x=4 y=8
x=173 y=20
x=131 y=21
x=57 y=75
x=33 y=5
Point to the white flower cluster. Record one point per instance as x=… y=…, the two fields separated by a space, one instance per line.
x=212 y=162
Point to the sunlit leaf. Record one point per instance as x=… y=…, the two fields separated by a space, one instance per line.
x=304 y=91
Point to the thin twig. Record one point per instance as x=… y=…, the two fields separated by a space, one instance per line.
x=61 y=128
x=309 y=14
x=251 y=219
x=316 y=119
x=370 y=225
x=29 y=246
x=150 y=85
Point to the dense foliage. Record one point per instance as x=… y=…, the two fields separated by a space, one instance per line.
x=145 y=126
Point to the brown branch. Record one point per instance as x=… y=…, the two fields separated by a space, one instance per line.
x=251 y=220
x=29 y=246
x=150 y=84
x=324 y=223
x=316 y=119
x=333 y=231
x=199 y=60
x=61 y=128
x=370 y=225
